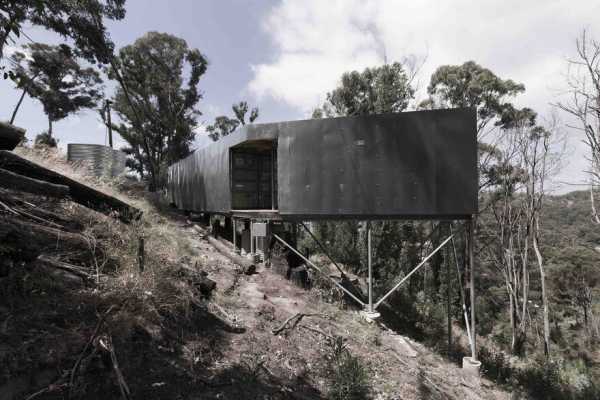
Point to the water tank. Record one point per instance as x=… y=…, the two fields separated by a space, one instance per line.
x=101 y=160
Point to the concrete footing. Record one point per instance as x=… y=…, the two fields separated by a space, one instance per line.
x=370 y=316
x=471 y=369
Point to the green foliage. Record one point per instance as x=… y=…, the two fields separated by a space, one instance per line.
x=45 y=139
x=156 y=105
x=224 y=125
x=496 y=365
x=471 y=85
x=384 y=89
x=81 y=21
x=377 y=90
x=431 y=318
x=348 y=378
x=52 y=75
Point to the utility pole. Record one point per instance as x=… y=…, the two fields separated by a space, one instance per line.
x=109 y=124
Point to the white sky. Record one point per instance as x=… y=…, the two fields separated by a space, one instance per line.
x=284 y=56
x=527 y=41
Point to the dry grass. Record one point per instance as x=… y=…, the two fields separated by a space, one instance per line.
x=173 y=344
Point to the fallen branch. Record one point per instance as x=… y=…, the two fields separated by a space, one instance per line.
x=87 y=346
x=78 y=192
x=107 y=345
x=225 y=314
x=53 y=387
x=21 y=183
x=51 y=262
x=316 y=330
x=28 y=240
x=26 y=208
x=296 y=318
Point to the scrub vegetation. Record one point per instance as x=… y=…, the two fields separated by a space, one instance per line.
x=95 y=304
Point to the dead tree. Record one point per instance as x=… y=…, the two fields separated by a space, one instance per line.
x=583 y=85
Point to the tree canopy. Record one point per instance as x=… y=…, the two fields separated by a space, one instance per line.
x=381 y=89
x=377 y=90
x=471 y=85
x=53 y=76
x=225 y=125
x=157 y=100
x=81 y=21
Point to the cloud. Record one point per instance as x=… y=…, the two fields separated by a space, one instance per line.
x=316 y=41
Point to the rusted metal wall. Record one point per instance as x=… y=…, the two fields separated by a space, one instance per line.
x=408 y=165
x=101 y=160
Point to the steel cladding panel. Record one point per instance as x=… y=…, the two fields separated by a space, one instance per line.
x=201 y=182
x=406 y=165
x=414 y=164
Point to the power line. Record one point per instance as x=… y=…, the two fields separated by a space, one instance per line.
x=27 y=36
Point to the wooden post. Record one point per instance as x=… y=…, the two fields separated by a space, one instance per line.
x=140 y=255
x=109 y=124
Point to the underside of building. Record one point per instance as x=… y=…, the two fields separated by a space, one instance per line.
x=257 y=186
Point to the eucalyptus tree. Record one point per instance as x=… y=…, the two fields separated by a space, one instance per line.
x=156 y=101
x=376 y=90
x=471 y=85
x=583 y=86
x=79 y=20
x=224 y=125
x=53 y=76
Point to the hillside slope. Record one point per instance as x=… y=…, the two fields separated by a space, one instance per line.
x=106 y=329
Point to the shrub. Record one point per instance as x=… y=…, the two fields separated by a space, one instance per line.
x=543 y=381
x=45 y=139
x=496 y=365
x=348 y=378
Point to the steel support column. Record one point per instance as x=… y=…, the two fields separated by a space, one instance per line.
x=470 y=243
x=370 y=267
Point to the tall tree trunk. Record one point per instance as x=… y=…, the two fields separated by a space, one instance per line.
x=540 y=261
x=14 y=114
x=513 y=324
x=49 y=128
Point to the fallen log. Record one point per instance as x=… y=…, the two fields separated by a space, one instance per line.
x=78 y=192
x=248 y=266
x=10 y=136
x=24 y=240
x=80 y=272
x=24 y=208
x=13 y=181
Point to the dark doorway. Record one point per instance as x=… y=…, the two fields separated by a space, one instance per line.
x=254 y=175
